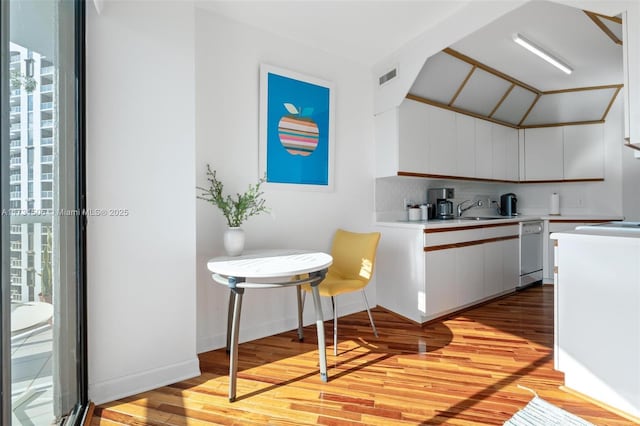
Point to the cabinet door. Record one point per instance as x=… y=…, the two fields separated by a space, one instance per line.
x=584 y=151
x=543 y=154
x=413 y=127
x=442 y=141
x=469 y=271
x=493 y=268
x=513 y=155
x=440 y=266
x=631 y=67
x=465 y=146
x=500 y=135
x=484 y=149
x=510 y=263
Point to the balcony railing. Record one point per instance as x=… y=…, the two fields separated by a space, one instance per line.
x=46 y=105
x=47 y=194
x=15 y=178
x=16 y=246
x=14 y=59
x=46 y=123
x=46 y=70
x=16 y=263
x=16 y=280
x=46 y=159
x=16 y=143
x=15 y=127
x=15 y=109
x=46 y=88
x=15 y=195
x=15 y=161
x=15 y=92
x=46 y=141
x=47 y=176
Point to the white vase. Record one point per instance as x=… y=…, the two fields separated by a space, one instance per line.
x=234 y=241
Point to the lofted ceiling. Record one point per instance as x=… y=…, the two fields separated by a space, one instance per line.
x=488 y=75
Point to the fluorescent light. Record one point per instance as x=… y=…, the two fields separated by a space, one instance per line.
x=532 y=47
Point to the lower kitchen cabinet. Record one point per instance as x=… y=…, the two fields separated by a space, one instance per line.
x=422 y=276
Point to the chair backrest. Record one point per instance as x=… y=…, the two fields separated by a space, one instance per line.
x=354 y=254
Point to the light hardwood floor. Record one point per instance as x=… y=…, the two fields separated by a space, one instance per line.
x=460 y=371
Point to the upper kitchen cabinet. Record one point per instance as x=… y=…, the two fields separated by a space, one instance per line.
x=543 y=154
x=424 y=140
x=631 y=68
x=566 y=153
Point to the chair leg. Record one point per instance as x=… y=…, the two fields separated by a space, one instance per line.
x=366 y=304
x=335 y=326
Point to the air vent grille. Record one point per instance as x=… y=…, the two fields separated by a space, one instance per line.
x=390 y=75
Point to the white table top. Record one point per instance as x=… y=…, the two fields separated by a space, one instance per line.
x=270 y=264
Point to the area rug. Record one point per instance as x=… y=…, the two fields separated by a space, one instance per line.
x=540 y=412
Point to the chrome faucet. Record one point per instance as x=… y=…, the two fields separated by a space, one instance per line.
x=464 y=209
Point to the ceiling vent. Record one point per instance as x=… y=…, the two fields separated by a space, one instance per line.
x=388 y=76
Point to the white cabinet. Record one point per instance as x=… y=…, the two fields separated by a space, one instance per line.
x=465 y=146
x=505 y=153
x=441 y=138
x=564 y=153
x=422 y=139
x=543 y=154
x=584 y=151
x=441 y=285
x=493 y=268
x=469 y=275
x=484 y=149
x=413 y=128
x=631 y=69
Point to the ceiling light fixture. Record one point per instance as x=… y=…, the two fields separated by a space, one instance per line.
x=534 y=48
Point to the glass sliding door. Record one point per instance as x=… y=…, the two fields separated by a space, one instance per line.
x=44 y=357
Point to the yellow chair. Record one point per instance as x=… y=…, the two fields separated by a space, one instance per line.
x=354 y=256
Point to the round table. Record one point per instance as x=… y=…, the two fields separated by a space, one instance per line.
x=270 y=269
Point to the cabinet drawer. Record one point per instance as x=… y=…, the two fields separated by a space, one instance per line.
x=473 y=234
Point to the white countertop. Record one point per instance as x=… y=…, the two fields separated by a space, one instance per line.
x=595 y=232
x=452 y=223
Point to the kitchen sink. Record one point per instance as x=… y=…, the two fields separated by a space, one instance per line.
x=483 y=217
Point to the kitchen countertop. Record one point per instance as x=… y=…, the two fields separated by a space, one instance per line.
x=453 y=223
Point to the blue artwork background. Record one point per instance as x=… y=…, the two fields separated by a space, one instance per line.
x=283 y=167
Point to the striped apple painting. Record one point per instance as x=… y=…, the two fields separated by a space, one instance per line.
x=296 y=138
x=298 y=133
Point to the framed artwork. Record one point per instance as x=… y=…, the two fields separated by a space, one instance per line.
x=296 y=129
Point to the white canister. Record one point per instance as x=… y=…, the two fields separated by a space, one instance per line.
x=414 y=213
x=554 y=204
x=424 y=212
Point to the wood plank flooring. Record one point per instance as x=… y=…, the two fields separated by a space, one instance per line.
x=461 y=371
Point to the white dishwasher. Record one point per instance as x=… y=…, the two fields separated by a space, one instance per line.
x=531 y=241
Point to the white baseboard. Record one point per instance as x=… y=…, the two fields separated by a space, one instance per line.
x=110 y=390
x=269 y=328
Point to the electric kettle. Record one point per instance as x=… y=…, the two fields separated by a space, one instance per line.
x=508 y=203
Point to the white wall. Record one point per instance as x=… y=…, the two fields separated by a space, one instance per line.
x=140 y=157
x=228 y=55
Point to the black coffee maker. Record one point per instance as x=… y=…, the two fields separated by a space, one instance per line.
x=508 y=203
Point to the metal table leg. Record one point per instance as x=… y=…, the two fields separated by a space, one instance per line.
x=300 y=306
x=235 y=330
x=322 y=351
x=232 y=299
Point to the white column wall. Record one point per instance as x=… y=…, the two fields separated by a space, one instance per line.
x=140 y=157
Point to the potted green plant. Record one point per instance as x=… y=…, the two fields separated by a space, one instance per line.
x=236 y=210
